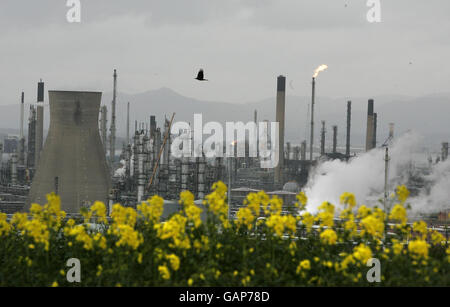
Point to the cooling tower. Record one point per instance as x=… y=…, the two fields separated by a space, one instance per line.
x=73 y=154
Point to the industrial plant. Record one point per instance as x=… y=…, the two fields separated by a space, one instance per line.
x=81 y=159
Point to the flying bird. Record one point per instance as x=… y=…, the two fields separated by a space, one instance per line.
x=200 y=76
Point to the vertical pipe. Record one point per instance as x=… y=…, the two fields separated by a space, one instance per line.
x=21 y=135
x=322 y=139
x=112 y=148
x=31 y=154
x=280 y=118
x=1 y=155
x=128 y=123
x=444 y=151
x=39 y=122
x=335 y=128
x=312 y=118
x=14 y=168
x=369 y=132
x=349 y=119
x=374 y=136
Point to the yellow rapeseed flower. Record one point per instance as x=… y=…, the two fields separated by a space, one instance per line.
x=398 y=213
x=418 y=249
x=328 y=236
x=402 y=193
x=348 y=199
x=164 y=272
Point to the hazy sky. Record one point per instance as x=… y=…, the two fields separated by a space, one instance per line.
x=242 y=45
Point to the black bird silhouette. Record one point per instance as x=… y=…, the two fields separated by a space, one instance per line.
x=200 y=76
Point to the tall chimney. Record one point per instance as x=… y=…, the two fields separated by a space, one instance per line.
x=112 y=148
x=349 y=120
x=322 y=139
x=370 y=126
x=39 y=122
x=335 y=138
x=444 y=151
x=21 y=137
x=313 y=97
x=280 y=115
x=128 y=123
x=31 y=150
x=152 y=126
x=374 y=137
x=14 y=168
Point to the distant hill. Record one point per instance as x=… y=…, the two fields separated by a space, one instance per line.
x=427 y=115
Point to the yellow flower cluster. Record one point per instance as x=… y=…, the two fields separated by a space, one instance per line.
x=152 y=209
x=123 y=227
x=373 y=224
x=421 y=228
x=174 y=229
x=328 y=236
x=216 y=202
x=348 y=199
x=193 y=213
x=308 y=220
x=42 y=220
x=398 y=213
x=5 y=227
x=281 y=224
x=418 y=249
x=303 y=265
x=302 y=200
x=402 y=193
x=326 y=214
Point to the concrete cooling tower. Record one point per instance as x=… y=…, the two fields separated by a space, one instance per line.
x=72 y=162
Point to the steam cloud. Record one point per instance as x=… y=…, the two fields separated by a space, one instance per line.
x=364 y=176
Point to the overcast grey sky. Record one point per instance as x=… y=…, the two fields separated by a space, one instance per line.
x=242 y=45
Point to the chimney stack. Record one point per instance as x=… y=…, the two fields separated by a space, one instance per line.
x=21 y=137
x=335 y=128
x=280 y=116
x=349 y=119
x=39 y=122
x=128 y=123
x=374 y=137
x=370 y=125
x=444 y=151
x=322 y=139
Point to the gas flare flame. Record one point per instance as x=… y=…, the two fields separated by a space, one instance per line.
x=319 y=69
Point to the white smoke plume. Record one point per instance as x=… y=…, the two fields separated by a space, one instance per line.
x=121 y=171
x=363 y=175
x=437 y=198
